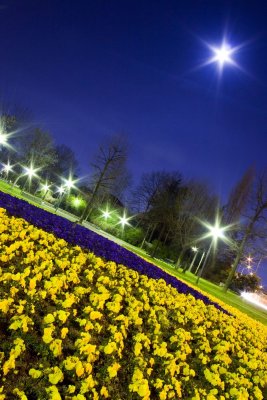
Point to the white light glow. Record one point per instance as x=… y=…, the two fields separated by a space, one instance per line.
x=124 y=220
x=30 y=171
x=223 y=54
x=217 y=232
x=69 y=183
x=106 y=214
x=7 y=168
x=76 y=202
x=3 y=139
x=61 y=190
x=45 y=187
x=254 y=298
x=195 y=249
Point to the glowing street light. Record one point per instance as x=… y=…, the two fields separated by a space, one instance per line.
x=61 y=190
x=195 y=250
x=124 y=220
x=249 y=259
x=106 y=214
x=76 y=202
x=69 y=183
x=45 y=189
x=30 y=172
x=215 y=232
x=3 y=139
x=7 y=168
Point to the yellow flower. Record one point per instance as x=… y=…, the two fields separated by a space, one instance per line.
x=8 y=365
x=56 y=347
x=64 y=332
x=63 y=315
x=70 y=300
x=70 y=362
x=55 y=376
x=71 y=389
x=110 y=347
x=49 y=318
x=104 y=392
x=79 y=369
x=47 y=336
x=5 y=304
x=35 y=373
x=113 y=369
x=95 y=315
x=54 y=393
x=20 y=394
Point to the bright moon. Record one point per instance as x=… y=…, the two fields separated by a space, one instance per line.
x=223 y=55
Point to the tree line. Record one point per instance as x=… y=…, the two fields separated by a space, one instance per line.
x=168 y=211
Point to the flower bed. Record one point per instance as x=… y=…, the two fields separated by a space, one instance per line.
x=73 y=326
x=100 y=246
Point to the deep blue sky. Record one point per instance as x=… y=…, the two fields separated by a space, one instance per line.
x=87 y=69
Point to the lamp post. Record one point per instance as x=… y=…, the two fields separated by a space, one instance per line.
x=30 y=172
x=123 y=220
x=3 y=138
x=248 y=266
x=65 y=189
x=195 y=250
x=6 y=169
x=106 y=214
x=45 y=188
x=215 y=232
x=61 y=192
x=200 y=261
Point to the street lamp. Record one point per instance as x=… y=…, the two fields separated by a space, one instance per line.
x=3 y=139
x=106 y=214
x=65 y=189
x=215 y=232
x=76 y=202
x=45 y=189
x=7 y=168
x=30 y=172
x=69 y=183
x=124 y=220
x=61 y=192
x=195 y=250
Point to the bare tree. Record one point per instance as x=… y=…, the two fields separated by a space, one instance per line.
x=156 y=199
x=65 y=163
x=108 y=168
x=255 y=223
x=239 y=197
x=38 y=148
x=198 y=204
x=231 y=216
x=151 y=184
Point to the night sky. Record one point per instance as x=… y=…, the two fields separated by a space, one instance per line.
x=88 y=69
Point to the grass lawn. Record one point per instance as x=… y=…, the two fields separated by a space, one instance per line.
x=229 y=298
